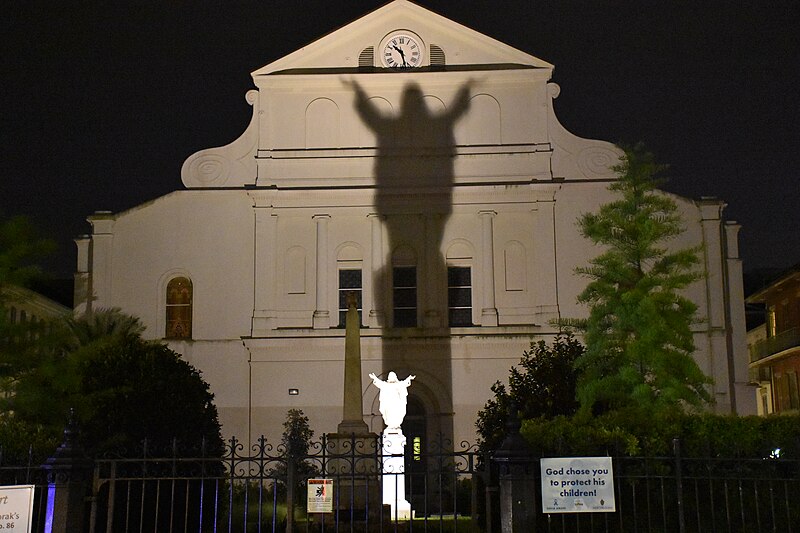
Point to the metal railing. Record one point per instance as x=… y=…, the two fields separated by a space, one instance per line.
x=26 y=470
x=682 y=494
x=780 y=342
x=259 y=488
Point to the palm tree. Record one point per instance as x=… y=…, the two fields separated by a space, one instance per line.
x=103 y=323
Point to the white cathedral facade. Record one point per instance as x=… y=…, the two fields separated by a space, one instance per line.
x=419 y=164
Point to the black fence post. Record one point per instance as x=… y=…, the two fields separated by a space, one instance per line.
x=517 y=505
x=67 y=483
x=291 y=470
x=676 y=446
x=490 y=490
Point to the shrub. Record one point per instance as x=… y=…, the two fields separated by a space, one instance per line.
x=637 y=433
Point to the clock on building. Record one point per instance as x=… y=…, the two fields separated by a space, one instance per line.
x=402 y=49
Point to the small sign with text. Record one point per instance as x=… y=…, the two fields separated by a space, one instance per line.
x=320 y=496
x=16 y=508
x=577 y=485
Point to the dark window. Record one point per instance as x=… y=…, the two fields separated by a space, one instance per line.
x=404 y=296
x=349 y=281
x=179 y=309
x=459 y=296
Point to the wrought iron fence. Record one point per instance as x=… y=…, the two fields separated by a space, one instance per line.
x=259 y=488
x=26 y=471
x=679 y=494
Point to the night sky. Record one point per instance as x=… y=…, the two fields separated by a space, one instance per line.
x=103 y=101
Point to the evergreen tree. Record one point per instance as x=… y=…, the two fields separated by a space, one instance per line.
x=297 y=434
x=295 y=443
x=542 y=387
x=638 y=335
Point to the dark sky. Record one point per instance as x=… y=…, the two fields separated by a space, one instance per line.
x=103 y=101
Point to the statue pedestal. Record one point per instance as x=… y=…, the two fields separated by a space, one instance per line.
x=352 y=461
x=394 y=479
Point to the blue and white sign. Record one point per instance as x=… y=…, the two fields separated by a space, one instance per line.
x=577 y=485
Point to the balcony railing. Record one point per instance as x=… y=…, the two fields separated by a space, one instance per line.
x=780 y=342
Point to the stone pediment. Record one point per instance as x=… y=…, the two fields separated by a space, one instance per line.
x=306 y=132
x=359 y=43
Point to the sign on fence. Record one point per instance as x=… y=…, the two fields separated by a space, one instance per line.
x=16 y=507
x=577 y=485
x=320 y=496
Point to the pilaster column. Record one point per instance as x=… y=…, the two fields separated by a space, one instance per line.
x=377 y=273
x=265 y=267
x=489 y=308
x=711 y=222
x=545 y=277
x=322 y=317
x=718 y=366
x=742 y=398
x=82 y=293
x=101 y=258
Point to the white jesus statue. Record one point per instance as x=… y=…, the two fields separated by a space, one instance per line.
x=392 y=398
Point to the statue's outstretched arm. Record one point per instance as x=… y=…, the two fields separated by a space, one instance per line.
x=366 y=110
x=461 y=102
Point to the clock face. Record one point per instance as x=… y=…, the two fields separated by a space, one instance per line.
x=402 y=50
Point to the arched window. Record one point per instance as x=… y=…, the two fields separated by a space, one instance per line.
x=179 y=309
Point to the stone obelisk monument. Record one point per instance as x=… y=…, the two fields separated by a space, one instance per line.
x=352 y=450
x=352 y=413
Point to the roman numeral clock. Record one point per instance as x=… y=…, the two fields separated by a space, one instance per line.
x=402 y=49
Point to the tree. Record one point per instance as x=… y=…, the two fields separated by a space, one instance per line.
x=21 y=247
x=101 y=324
x=123 y=388
x=22 y=342
x=638 y=334
x=47 y=367
x=542 y=387
x=295 y=441
x=137 y=389
x=297 y=434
